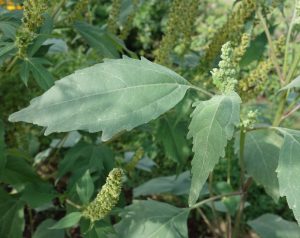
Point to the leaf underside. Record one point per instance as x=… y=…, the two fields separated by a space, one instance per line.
x=112 y=96
x=212 y=124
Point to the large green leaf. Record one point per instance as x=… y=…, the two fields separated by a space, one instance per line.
x=85 y=187
x=112 y=96
x=67 y=221
x=43 y=230
x=11 y=216
x=273 y=226
x=212 y=124
x=261 y=155
x=289 y=169
x=151 y=219
x=2 y=148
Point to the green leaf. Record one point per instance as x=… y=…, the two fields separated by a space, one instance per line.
x=110 y=97
x=2 y=148
x=101 y=229
x=288 y=170
x=173 y=139
x=12 y=220
x=41 y=75
x=178 y=185
x=24 y=71
x=261 y=155
x=67 y=221
x=294 y=84
x=98 y=38
x=38 y=194
x=212 y=124
x=152 y=219
x=43 y=230
x=85 y=187
x=270 y=225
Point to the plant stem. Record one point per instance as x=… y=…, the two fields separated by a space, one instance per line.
x=201 y=90
x=207 y=222
x=73 y=204
x=211 y=199
x=280 y=109
x=11 y=64
x=210 y=189
x=272 y=47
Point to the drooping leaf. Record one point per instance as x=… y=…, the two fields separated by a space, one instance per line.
x=104 y=98
x=152 y=219
x=294 y=84
x=270 y=225
x=85 y=187
x=212 y=124
x=43 y=230
x=261 y=153
x=12 y=220
x=288 y=170
x=173 y=139
x=67 y=221
x=178 y=185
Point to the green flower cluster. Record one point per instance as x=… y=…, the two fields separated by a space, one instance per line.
x=230 y=31
x=80 y=8
x=225 y=76
x=112 y=23
x=136 y=158
x=250 y=120
x=180 y=23
x=128 y=24
x=31 y=21
x=240 y=51
x=107 y=198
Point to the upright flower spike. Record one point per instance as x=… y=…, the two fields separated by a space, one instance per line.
x=107 y=198
x=112 y=23
x=225 y=76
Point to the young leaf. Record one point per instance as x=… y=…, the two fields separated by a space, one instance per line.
x=270 y=225
x=152 y=219
x=261 y=155
x=110 y=97
x=294 y=84
x=85 y=187
x=212 y=124
x=67 y=221
x=288 y=170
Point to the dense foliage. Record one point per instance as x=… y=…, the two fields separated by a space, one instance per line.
x=149 y=118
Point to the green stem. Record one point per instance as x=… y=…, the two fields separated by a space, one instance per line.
x=280 y=109
x=201 y=90
x=11 y=64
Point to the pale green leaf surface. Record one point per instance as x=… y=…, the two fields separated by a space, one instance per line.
x=288 y=170
x=294 y=84
x=273 y=226
x=261 y=153
x=85 y=187
x=152 y=219
x=212 y=124
x=112 y=96
x=67 y=221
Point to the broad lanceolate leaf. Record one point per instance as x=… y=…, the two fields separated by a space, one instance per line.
x=289 y=169
x=261 y=155
x=110 y=97
x=294 y=84
x=212 y=124
x=67 y=221
x=151 y=219
x=270 y=225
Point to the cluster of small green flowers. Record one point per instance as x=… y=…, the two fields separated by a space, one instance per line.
x=240 y=51
x=250 y=120
x=230 y=31
x=179 y=26
x=31 y=21
x=107 y=198
x=112 y=23
x=225 y=76
x=80 y=8
x=128 y=25
x=257 y=79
